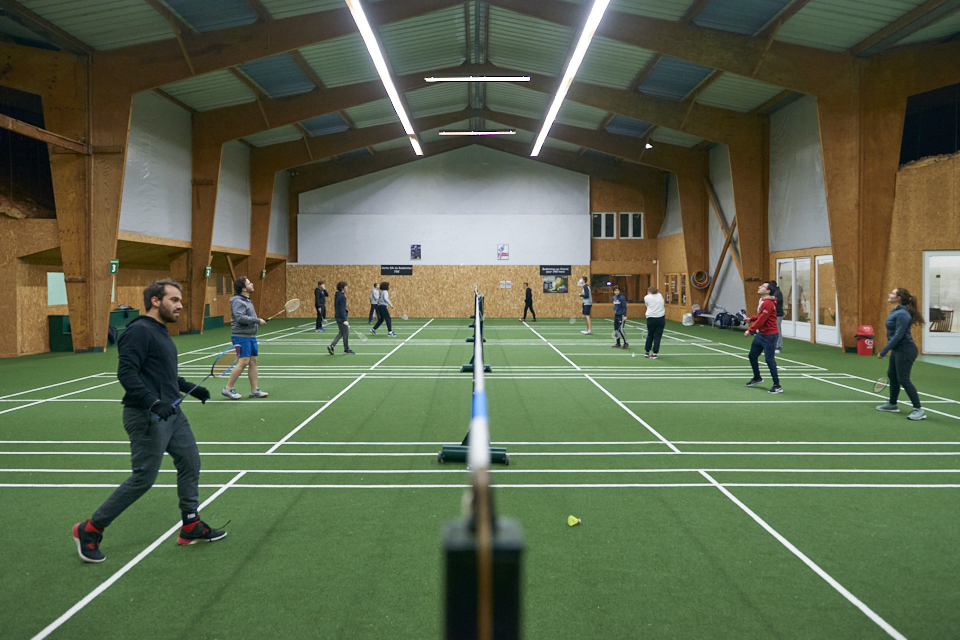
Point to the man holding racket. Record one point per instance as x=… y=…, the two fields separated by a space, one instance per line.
x=154 y=423
x=243 y=331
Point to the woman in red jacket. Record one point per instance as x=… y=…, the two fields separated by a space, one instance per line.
x=763 y=326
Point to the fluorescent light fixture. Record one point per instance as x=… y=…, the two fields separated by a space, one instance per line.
x=371 y=41
x=501 y=132
x=649 y=146
x=479 y=79
x=590 y=28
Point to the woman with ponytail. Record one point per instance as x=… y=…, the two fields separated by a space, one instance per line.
x=903 y=351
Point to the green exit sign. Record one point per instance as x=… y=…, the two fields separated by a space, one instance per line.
x=263 y=274
x=206 y=272
x=114 y=266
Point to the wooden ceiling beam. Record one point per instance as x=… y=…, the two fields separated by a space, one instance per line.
x=928 y=13
x=263 y=14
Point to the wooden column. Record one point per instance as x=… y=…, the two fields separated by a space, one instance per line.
x=747 y=174
x=262 y=179
x=651 y=186
x=207 y=155
x=693 y=212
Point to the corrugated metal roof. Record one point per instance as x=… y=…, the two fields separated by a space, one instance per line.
x=210 y=91
x=673 y=78
x=577 y=114
x=663 y=9
x=396 y=143
x=290 y=8
x=552 y=143
x=275 y=136
x=624 y=126
x=443 y=97
x=740 y=16
x=22 y=35
x=372 y=113
x=517 y=101
x=341 y=61
x=669 y=136
x=436 y=40
x=325 y=124
x=528 y=44
x=737 y=93
x=104 y=24
x=837 y=25
x=522 y=136
x=278 y=75
x=946 y=27
x=609 y=63
x=210 y=15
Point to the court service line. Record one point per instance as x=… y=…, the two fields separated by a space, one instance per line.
x=33 y=404
x=922 y=393
x=883 y=624
x=876 y=395
x=227 y=344
x=50 y=386
x=498 y=471
x=414 y=454
x=565 y=443
x=401 y=344
x=572 y=363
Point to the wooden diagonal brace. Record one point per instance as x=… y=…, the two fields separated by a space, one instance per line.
x=18 y=126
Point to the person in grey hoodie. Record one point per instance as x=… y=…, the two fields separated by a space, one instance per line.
x=243 y=331
x=903 y=351
x=374 y=301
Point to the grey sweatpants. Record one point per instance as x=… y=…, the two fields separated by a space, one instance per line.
x=779 y=333
x=149 y=439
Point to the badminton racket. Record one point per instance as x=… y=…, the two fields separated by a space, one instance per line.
x=220 y=367
x=289 y=307
x=363 y=338
x=573 y=319
x=403 y=314
x=880 y=385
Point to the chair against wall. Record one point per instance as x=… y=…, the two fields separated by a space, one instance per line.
x=941 y=321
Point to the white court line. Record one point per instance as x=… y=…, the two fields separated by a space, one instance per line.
x=930 y=395
x=810 y=563
x=50 y=386
x=870 y=393
x=572 y=363
x=495 y=471
x=401 y=344
x=597 y=443
x=778 y=401
x=220 y=346
x=33 y=404
x=414 y=454
x=571 y=485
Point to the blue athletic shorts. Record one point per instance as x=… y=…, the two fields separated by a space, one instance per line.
x=248 y=345
x=586 y=309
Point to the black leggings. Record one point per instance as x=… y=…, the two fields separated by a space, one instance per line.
x=618 y=322
x=901 y=362
x=528 y=305
x=373 y=310
x=321 y=315
x=654 y=333
x=383 y=315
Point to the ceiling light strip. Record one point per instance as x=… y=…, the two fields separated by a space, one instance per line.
x=590 y=28
x=479 y=79
x=509 y=132
x=381 y=65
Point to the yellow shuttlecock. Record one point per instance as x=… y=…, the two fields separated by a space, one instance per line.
x=573 y=520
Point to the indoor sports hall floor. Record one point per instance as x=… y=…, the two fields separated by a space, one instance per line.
x=709 y=510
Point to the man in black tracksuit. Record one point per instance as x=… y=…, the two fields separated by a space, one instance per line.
x=148 y=373
x=341 y=316
x=528 y=303
x=320 y=302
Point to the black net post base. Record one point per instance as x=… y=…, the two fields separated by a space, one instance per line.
x=460 y=565
x=468 y=368
x=458 y=453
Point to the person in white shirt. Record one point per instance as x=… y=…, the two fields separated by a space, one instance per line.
x=655 y=322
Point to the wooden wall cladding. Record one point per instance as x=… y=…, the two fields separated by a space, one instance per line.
x=33 y=334
x=437 y=291
x=672 y=254
x=926 y=217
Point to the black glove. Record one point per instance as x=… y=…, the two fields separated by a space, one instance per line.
x=163 y=409
x=201 y=393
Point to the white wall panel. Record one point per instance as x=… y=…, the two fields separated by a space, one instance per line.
x=279 y=238
x=231 y=226
x=672 y=220
x=797 y=213
x=728 y=290
x=156 y=185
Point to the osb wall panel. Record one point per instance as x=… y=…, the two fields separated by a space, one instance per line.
x=33 y=334
x=437 y=291
x=926 y=217
x=274 y=293
x=617 y=198
x=616 y=249
x=672 y=254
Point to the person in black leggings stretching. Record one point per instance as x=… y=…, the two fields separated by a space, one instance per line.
x=903 y=351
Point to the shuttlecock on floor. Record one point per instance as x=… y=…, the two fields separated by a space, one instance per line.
x=573 y=520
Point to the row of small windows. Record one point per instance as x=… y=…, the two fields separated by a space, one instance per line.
x=604 y=225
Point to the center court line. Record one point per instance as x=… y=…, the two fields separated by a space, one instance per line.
x=572 y=363
x=401 y=344
x=883 y=624
x=530 y=485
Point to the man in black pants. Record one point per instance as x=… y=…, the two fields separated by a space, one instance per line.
x=341 y=315
x=320 y=301
x=528 y=303
x=148 y=373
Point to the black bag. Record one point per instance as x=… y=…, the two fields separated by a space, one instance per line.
x=111 y=335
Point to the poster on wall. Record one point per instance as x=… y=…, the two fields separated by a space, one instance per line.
x=396 y=269
x=414 y=252
x=503 y=252
x=554 y=270
x=556 y=284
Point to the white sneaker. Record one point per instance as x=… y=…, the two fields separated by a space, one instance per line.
x=391 y=334
x=587 y=333
x=258 y=394
x=231 y=393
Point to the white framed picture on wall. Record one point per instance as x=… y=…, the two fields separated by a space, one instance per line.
x=503 y=252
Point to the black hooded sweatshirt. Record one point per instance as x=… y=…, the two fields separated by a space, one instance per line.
x=148 y=364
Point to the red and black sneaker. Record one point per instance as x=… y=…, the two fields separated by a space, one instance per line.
x=198 y=531
x=88 y=539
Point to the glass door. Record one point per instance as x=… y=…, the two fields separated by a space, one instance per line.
x=941 y=300
x=801 y=290
x=828 y=328
x=785 y=281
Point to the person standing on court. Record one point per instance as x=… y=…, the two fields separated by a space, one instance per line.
x=374 y=301
x=528 y=303
x=764 y=327
x=619 y=317
x=243 y=331
x=383 y=312
x=903 y=351
x=587 y=303
x=341 y=315
x=147 y=371
x=778 y=294
x=320 y=301
x=656 y=320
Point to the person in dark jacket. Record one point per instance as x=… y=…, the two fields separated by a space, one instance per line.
x=619 y=317
x=903 y=351
x=528 y=303
x=778 y=294
x=341 y=315
x=320 y=302
x=148 y=373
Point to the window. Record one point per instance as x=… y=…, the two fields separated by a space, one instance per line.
x=631 y=225
x=56 y=288
x=604 y=225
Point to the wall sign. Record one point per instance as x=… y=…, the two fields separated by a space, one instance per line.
x=414 y=252
x=206 y=272
x=503 y=252
x=396 y=270
x=263 y=274
x=114 y=266
x=554 y=270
